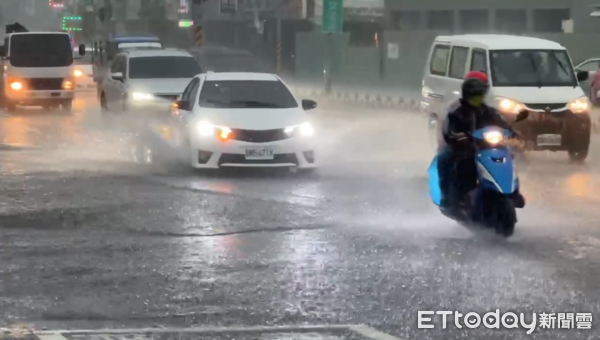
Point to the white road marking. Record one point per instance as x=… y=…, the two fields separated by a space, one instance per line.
x=53 y=336
x=365 y=331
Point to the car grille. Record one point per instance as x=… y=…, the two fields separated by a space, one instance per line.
x=546 y=106
x=258 y=136
x=170 y=97
x=44 y=83
x=284 y=158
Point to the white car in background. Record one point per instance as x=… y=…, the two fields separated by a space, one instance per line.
x=83 y=73
x=147 y=79
x=244 y=120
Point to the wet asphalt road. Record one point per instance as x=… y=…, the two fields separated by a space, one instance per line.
x=88 y=239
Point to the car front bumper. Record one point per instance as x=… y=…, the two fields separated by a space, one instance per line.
x=574 y=129
x=39 y=97
x=211 y=153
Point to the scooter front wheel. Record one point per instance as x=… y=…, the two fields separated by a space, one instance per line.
x=506 y=217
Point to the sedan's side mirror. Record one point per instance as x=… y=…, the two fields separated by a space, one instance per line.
x=522 y=116
x=182 y=105
x=308 y=104
x=582 y=75
x=82 y=50
x=118 y=76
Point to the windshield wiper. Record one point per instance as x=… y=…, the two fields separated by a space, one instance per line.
x=535 y=69
x=257 y=103
x=562 y=66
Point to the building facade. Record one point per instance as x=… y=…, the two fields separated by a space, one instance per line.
x=485 y=16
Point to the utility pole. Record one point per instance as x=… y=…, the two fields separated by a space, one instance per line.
x=279 y=34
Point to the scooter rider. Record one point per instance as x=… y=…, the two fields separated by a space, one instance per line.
x=456 y=166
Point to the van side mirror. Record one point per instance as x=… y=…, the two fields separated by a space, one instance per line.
x=308 y=104
x=582 y=75
x=82 y=49
x=522 y=116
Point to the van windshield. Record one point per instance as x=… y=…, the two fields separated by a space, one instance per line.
x=41 y=50
x=531 y=68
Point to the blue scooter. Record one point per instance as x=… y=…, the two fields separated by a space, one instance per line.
x=492 y=204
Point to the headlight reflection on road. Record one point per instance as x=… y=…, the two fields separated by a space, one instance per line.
x=581 y=185
x=16 y=132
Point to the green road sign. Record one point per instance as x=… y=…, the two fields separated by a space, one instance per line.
x=333 y=16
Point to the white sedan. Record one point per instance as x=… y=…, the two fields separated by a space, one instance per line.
x=83 y=72
x=244 y=120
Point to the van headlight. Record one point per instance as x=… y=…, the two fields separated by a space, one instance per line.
x=506 y=105
x=579 y=105
x=142 y=96
x=304 y=129
x=206 y=129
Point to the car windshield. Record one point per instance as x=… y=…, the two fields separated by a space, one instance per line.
x=163 y=67
x=41 y=50
x=537 y=68
x=236 y=94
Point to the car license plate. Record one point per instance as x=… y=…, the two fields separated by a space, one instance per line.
x=549 y=140
x=259 y=154
x=55 y=94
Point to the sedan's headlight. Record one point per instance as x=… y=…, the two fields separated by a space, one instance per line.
x=142 y=96
x=305 y=130
x=206 y=129
x=493 y=137
x=579 y=105
x=506 y=105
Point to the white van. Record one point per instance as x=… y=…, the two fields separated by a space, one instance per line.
x=525 y=74
x=37 y=70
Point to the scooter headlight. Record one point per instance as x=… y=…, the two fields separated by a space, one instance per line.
x=493 y=137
